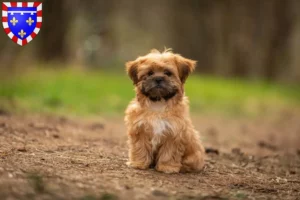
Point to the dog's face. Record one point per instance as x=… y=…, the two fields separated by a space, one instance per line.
x=158 y=75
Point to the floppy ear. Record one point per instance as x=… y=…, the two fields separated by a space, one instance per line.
x=131 y=68
x=185 y=67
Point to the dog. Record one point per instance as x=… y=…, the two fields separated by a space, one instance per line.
x=160 y=131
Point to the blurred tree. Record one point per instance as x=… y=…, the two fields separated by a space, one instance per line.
x=294 y=42
x=247 y=38
x=57 y=15
x=98 y=42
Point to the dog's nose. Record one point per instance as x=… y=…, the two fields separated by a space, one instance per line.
x=159 y=79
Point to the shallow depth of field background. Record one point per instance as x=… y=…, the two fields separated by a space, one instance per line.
x=247 y=53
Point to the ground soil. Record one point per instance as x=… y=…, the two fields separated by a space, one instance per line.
x=52 y=157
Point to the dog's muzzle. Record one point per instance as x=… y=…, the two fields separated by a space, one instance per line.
x=157 y=88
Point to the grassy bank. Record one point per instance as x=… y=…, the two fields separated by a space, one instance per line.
x=79 y=92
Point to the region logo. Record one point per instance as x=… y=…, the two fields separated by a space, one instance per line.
x=22 y=21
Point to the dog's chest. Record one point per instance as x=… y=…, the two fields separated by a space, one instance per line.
x=155 y=120
x=156 y=125
x=159 y=126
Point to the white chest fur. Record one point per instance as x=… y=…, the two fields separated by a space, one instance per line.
x=156 y=122
x=159 y=126
x=154 y=118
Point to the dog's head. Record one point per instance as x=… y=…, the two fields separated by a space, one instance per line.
x=158 y=75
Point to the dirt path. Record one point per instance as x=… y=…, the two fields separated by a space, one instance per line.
x=65 y=158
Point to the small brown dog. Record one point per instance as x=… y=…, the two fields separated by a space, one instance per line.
x=160 y=130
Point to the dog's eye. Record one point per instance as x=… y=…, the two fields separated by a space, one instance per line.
x=150 y=73
x=168 y=73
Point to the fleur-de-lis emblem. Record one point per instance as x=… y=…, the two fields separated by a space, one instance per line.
x=29 y=21
x=14 y=21
x=22 y=33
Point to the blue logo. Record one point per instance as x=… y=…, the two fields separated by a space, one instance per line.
x=22 y=21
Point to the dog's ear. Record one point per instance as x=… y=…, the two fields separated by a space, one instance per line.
x=185 y=67
x=131 y=68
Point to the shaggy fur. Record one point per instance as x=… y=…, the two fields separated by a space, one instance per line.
x=160 y=131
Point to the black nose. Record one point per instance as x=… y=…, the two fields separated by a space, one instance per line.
x=159 y=79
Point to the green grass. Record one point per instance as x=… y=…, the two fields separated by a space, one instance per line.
x=79 y=92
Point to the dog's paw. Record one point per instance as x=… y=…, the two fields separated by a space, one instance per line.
x=193 y=163
x=168 y=169
x=137 y=165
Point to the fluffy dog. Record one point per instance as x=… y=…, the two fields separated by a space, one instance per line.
x=160 y=130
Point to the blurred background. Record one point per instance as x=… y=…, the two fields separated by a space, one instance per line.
x=247 y=53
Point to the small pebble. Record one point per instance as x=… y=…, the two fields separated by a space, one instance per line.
x=156 y=192
x=22 y=149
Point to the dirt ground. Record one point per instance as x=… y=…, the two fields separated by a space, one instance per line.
x=52 y=157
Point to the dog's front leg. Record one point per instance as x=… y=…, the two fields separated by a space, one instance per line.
x=140 y=156
x=193 y=158
x=169 y=156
